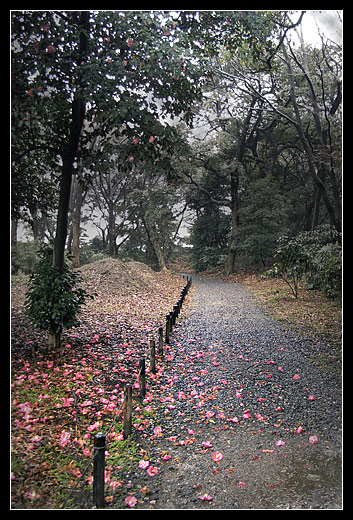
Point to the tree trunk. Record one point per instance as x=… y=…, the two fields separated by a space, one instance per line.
x=152 y=234
x=77 y=199
x=234 y=185
x=334 y=221
x=78 y=113
x=14 y=224
x=54 y=340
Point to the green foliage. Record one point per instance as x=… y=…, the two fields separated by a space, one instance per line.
x=54 y=297
x=24 y=257
x=312 y=256
x=209 y=240
x=263 y=218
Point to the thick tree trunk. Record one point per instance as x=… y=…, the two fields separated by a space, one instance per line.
x=152 y=234
x=78 y=113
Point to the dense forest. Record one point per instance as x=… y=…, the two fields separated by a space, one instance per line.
x=151 y=135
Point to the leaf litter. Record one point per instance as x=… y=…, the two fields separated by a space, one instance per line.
x=213 y=412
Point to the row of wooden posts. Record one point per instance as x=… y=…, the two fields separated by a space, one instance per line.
x=99 y=439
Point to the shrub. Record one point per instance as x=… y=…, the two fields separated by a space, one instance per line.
x=54 y=297
x=312 y=256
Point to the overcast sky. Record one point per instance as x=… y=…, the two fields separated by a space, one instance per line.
x=327 y=22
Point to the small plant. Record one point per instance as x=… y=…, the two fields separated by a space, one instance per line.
x=312 y=256
x=54 y=297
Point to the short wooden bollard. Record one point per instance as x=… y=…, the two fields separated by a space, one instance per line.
x=98 y=470
x=142 y=377
x=160 y=341
x=167 y=330
x=127 y=411
x=152 y=356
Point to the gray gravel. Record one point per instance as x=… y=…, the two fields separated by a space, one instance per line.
x=227 y=359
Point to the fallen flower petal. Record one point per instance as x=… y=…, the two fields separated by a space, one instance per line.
x=152 y=470
x=242 y=484
x=143 y=464
x=64 y=438
x=206 y=497
x=300 y=429
x=313 y=439
x=217 y=456
x=130 y=501
x=207 y=444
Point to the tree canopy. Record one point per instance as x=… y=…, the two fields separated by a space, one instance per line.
x=146 y=123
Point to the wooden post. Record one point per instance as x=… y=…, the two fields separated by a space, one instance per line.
x=168 y=329
x=98 y=470
x=142 y=377
x=152 y=356
x=127 y=411
x=160 y=341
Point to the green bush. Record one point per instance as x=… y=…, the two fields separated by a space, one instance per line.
x=54 y=298
x=314 y=257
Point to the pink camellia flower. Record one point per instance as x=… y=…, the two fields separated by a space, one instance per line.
x=280 y=443
x=152 y=470
x=131 y=158
x=157 y=430
x=93 y=427
x=313 y=439
x=206 y=497
x=300 y=429
x=217 y=456
x=32 y=495
x=242 y=484
x=246 y=415
x=311 y=398
x=144 y=464
x=151 y=139
x=207 y=444
x=166 y=457
x=296 y=377
x=130 y=501
x=36 y=438
x=135 y=140
x=130 y=42
x=50 y=49
x=209 y=414
x=65 y=438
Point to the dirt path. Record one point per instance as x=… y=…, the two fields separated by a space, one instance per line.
x=238 y=388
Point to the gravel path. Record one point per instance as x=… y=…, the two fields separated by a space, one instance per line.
x=235 y=382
